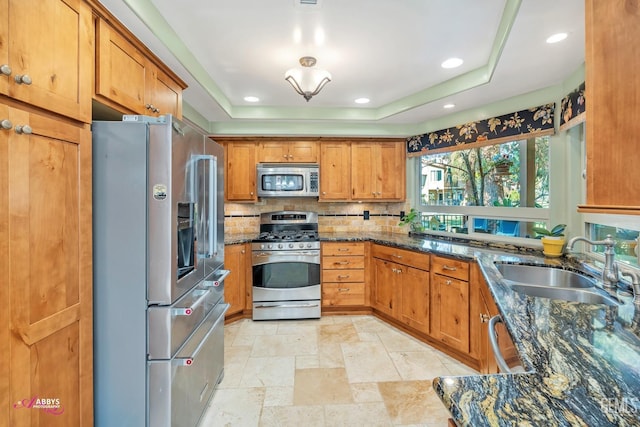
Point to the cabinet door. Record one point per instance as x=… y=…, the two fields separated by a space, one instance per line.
x=384 y=286
x=414 y=306
x=612 y=52
x=335 y=173
x=121 y=70
x=240 y=173
x=50 y=44
x=273 y=152
x=234 y=284
x=45 y=263
x=450 y=308
x=303 y=152
x=363 y=171
x=391 y=175
x=164 y=95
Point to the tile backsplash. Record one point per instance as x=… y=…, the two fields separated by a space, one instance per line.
x=332 y=217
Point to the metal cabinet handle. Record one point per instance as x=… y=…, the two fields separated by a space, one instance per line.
x=484 y=318
x=23 y=79
x=188 y=311
x=6 y=124
x=5 y=70
x=343 y=249
x=25 y=129
x=396 y=256
x=251 y=193
x=343 y=289
x=324 y=193
x=448 y=282
x=342 y=263
x=242 y=251
x=346 y=276
x=446 y=267
x=493 y=339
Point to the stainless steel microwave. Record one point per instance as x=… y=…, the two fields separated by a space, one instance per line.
x=288 y=180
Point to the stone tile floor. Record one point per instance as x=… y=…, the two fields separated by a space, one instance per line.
x=333 y=371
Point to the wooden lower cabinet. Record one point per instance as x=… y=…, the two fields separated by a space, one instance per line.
x=450 y=303
x=46 y=346
x=399 y=288
x=343 y=274
x=237 y=259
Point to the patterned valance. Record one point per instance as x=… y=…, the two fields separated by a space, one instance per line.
x=573 y=108
x=528 y=123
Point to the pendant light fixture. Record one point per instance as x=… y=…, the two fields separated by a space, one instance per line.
x=307 y=81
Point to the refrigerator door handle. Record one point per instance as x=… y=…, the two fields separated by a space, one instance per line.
x=188 y=311
x=188 y=361
x=216 y=283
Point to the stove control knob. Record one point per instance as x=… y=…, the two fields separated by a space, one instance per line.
x=262 y=246
x=291 y=245
x=279 y=245
x=269 y=246
x=301 y=245
x=308 y=245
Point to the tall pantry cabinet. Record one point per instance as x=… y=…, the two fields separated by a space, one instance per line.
x=46 y=53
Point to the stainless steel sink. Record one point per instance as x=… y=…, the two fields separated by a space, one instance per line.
x=578 y=295
x=544 y=276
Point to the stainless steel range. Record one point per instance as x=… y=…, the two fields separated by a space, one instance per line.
x=286 y=266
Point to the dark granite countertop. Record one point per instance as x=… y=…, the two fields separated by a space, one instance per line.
x=582 y=361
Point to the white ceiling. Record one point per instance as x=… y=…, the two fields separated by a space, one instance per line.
x=387 y=50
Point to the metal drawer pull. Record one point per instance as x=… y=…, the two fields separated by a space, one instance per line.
x=484 y=318
x=344 y=289
x=23 y=79
x=188 y=311
x=446 y=267
x=493 y=339
x=396 y=256
x=6 y=124
x=448 y=282
x=216 y=283
x=188 y=361
x=346 y=276
x=343 y=263
x=343 y=249
x=5 y=70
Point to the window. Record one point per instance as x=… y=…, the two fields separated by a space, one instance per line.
x=467 y=191
x=625 y=233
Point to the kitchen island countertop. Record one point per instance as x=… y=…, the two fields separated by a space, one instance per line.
x=582 y=361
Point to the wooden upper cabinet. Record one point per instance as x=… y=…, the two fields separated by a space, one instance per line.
x=163 y=94
x=378 y=170
x=613 y=106
x=288 y=152
x=240 y=171
x=128 y=80
x=48 y=47
x=335 y=172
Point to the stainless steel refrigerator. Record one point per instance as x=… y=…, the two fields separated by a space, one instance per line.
x=158 y=226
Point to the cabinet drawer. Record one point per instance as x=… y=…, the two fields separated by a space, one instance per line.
x=402 y=256
x=342 y=262
x=343 y=276
x=450 y=267
x=334 y=294
x=343 y=248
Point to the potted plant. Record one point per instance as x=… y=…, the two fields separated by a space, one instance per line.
x=413 y=219
x=552 y=240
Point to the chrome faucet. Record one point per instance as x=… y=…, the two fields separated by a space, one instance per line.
x=635 y=283
x=610 y=270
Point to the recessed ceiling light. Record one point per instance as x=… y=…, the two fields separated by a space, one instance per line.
x=557 y=38
x=452 y=63
x=447 y=106
x=362 y=101
x=251 y=98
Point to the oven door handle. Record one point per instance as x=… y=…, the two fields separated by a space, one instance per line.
x=285 y=253
x=285 y=305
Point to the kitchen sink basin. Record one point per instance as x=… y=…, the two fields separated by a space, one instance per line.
x=588 y=296
x=544 y=276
